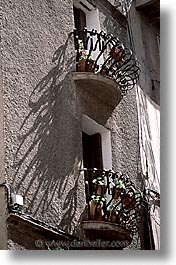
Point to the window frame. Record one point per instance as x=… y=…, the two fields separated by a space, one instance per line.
x=90 y=127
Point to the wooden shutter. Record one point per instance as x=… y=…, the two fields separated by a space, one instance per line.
x=80 y=23
x=86 y=141
x=80 y=19
x=96 y=146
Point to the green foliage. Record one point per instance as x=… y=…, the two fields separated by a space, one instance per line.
x=98 y=199
x=99 y=181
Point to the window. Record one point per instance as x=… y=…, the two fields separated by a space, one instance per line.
x=92 y=151
x=86 y=15
x=96 y=142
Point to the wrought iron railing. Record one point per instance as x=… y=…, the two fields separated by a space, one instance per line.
x=112 y=197
x=102 y=53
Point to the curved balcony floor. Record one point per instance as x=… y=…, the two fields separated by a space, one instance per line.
x=103 y=87
x=107 y=231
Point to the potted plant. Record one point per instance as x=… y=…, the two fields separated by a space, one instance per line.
x=99 y=185
x=85 y=63
x=113 y=211
x=95 y=207
x=117 y=54
x=130 y=200
x=118 y=188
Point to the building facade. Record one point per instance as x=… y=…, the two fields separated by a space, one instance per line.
x=62 y=126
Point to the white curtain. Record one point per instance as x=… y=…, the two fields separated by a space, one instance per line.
x=149 y=139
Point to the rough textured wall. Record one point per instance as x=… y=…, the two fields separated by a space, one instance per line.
x=112 y=21
x=13 y=245
x=41 y=154
x=123 y=121
x=125 y=142
x=3 y=214
x=3 y=228
x=42 y=111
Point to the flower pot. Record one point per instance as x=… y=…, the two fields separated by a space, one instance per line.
x=128 y=202
x=112 y=217
x=104 y=72
x=99 y=189
x=116 y=193
x=85 y=65
x=95 y=211
x=117 y=54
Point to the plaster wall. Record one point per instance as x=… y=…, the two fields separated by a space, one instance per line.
x=3 y=212
x=43 y=110
x=41 y=152
x=112 y=21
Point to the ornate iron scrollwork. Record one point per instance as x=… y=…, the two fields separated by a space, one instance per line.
x=113 y=197
x=109 y=56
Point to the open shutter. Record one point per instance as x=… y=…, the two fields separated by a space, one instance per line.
x=80 y=23
x=87 y=159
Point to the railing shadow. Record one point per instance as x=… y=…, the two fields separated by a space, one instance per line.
x=45 y=164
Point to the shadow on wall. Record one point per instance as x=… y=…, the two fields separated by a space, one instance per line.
x=47 y=160
x=112 y=26
x=117 y=28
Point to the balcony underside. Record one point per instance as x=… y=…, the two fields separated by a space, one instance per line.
x=27 y=233
x=104 y=88
x=107 y=231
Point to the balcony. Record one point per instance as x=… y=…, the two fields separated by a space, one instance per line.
x=114 y=207
x=104 y=66
x=151 y=8
x=34 y=234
